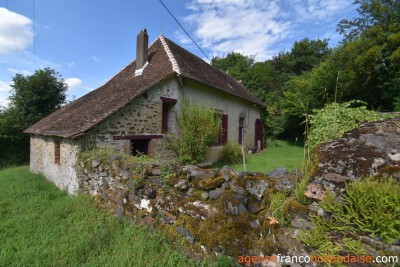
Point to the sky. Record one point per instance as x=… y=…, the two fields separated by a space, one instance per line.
x=87 y=42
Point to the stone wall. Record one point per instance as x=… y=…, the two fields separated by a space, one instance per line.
x=141 y=117
x=189 y=202
x=42 y=160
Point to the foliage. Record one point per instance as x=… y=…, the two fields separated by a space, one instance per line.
x=317 y=237
x=70 y=231
x=299 y=190
x=278 y=201
x=370 y=206
x=335 y=119
x=231 y=153
x=32 y=98
x=353 y=246
x=199 y=128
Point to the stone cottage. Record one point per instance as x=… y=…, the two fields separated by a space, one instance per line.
x=134 y=110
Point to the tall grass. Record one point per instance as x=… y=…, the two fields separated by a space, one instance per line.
x=42 y=226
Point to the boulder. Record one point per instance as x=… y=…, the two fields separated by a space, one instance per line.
x=373 y=149
x=228 y=173
x=206 y=164
x=216 y=193
x=256 y=187
x=278 y=172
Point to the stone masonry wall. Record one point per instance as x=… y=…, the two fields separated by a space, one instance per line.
x=63 y=175
x=142 y=117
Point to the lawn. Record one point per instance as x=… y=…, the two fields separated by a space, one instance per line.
x=43 y=226
x=280 y=154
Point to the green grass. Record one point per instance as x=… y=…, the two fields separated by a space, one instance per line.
x=280 y=154
x=43 y=226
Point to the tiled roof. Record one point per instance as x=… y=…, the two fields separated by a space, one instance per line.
x=165 y=60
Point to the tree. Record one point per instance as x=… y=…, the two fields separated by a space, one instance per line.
x=39 y=94
x=32 y=98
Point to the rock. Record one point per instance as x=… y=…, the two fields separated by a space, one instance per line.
x=315 y=191
x=301 y=223
x=256 y=187
x=236 y=188
x=254 y=206
x=241 y=198
x=235 y=209
x=204 y=196
x=228 y=173
x=182 y=185
x=156 y=180
x=146 y=204
x=285 y=184
x=278 y=172
x=244 y=174
x=171 y=218
x=216 y=193
x=195 y=209
x=255 y=224
x=200 y=174
x=335 y=177
x=149 y=192
x=125 y=174
x=95 y=163
x=155 y=171
x=183 y=231
x=372 y=149
x=211 y=183
x=206 y=164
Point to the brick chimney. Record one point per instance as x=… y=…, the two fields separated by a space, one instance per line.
x=142 y=49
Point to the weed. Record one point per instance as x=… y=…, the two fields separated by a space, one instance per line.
x=278 y=202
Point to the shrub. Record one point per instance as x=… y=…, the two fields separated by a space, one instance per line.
x=199 y=128
x=335 y=119
x=231 y=153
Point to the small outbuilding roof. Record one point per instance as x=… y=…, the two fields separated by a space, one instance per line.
x=165 y=59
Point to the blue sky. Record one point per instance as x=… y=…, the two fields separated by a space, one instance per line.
x=88 y=42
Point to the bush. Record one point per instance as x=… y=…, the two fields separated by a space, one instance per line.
x=231 y=153
x=199 y=128
x=335 y=119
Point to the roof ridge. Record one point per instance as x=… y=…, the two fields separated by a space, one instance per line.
x=171 y=57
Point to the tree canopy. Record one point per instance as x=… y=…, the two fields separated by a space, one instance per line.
x=365 y=66
x=32 y=98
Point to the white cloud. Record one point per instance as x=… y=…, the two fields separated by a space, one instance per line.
x=95 y=59
x=70 y=65
x=23 y=72
x=15 y=32
x=255 y=27
x=73 y=83
x=5 y=87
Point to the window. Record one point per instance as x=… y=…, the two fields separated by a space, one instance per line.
x=57 y=151
x=167 y=105
x=140 y=146
x=223 y=136
x=241 y=127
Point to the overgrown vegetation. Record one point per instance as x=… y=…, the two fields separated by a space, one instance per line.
x=370 y=206
x=335 y=119
x=199 y=128
x=43 y=226
x=231 y=153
